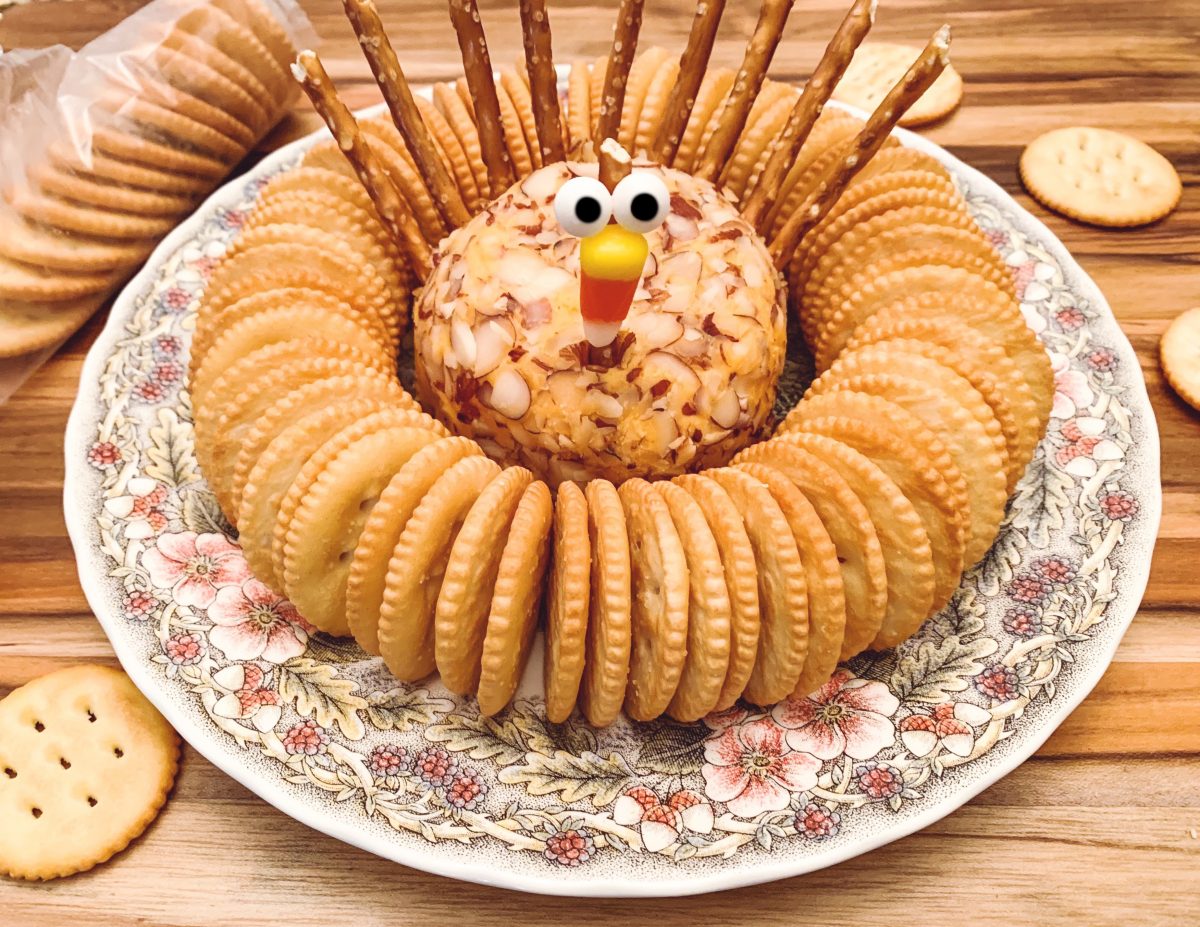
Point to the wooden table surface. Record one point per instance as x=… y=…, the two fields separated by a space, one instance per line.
x=1101 y=826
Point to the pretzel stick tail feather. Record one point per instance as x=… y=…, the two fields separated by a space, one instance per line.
x=543 y=82
x=924 y=71
x=759 y=51
x=616 y=74
x=391 y=207
x=692 y=67
x=808 y=108
x=477 y=65
x=372 y=37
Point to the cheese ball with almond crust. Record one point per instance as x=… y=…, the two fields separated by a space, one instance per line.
x=500 y=354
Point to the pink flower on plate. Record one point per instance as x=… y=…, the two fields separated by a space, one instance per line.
x=184 y=649
x=252 y=622
x=752 y=769
x=1072 y=393
x=846 y=715
x=141 y=508
x=194 y=566
x=1119 y=505
x=1070 y=319
x=103 y=454
x=719 y=720
x=1085 y=446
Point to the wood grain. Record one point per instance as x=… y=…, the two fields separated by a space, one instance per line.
x=1101 y=827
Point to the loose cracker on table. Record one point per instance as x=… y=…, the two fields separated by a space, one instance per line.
x=1179 y=354
x=87 y=764
x=1099 y=176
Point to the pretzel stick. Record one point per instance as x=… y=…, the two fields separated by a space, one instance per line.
x=833 y=64
x=364 y=17
x=692 y=66
x=916 y=81
x=477 y=65
x=616 y=75
x=341 y=122
x=615 y=163
x=543 y=82
x=759 y=51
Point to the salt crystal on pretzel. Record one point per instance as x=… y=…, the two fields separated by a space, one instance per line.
x=543 y=81
x=916 y=81
x=364 y=17
x=391 y=207
x=692 y=66
x=616 y=75
x=759 y=52
x=817 y=90
x=477 y=66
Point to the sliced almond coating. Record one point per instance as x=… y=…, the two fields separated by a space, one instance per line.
x=823 y=577
x=741 y=581
x=461 y=617
x=952 y=294
x=848 y=523
x=369 y=566
x=567 y=608
x=907 y=554
x=660 y=601
x=709 y=609
x=606 y=666
x=326 y=524
x=981 y=362
x=782 y=588
x=518 y=594
x=953 y=410
x=418 y=562
x=916 y=460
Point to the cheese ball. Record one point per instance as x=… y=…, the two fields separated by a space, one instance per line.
x=500 y=354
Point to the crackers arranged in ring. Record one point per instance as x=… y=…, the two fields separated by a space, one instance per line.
x=87 y=765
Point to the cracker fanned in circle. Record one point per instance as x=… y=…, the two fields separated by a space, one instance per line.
x=369 y=568
x=660 y=601
x=515 y=601
x=606 y=666
x=848 y=523
x=709 y=609
x=418 y=562
x=741 y=581
x=782 y=588
x=567 y=609
x=461 y=619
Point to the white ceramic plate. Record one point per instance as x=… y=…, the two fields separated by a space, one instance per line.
x=412 y=773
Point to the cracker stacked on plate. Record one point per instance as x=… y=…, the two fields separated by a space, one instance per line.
x=162 y=130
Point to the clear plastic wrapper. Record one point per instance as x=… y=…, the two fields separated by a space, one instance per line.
x=105 y=150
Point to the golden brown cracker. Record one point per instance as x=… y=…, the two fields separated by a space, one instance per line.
x=418 y=563
x=606 y=665
x=1099 y=176
x=27 y=282
x=567 y=606
x=714 y=88
x=782 y=590
x=27 y=326
x=710 y=612
x=515 y=602
x=878 y=66
x=87 y=762
x=1179 y=355
x=579 y=107
x=458 y=117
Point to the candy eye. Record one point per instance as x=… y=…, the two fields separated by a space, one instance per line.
x=583 y=206
x=641 y=202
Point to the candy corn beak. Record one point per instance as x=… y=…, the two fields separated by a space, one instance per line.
x=611 y=263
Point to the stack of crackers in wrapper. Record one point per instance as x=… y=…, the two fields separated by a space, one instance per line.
x=725 y=565
x=105 y=150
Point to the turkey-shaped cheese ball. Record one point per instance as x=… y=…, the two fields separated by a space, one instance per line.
x=684 y=380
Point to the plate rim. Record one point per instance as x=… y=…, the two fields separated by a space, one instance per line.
x=1136 y=579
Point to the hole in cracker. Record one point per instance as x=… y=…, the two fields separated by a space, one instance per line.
x=118 y=752
x=91 y=716
x=367 y=504
x=38 y=726
x=344 y=556
x=36 y=812
x=64 y=762
x=92 y=801
x=10 y=772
